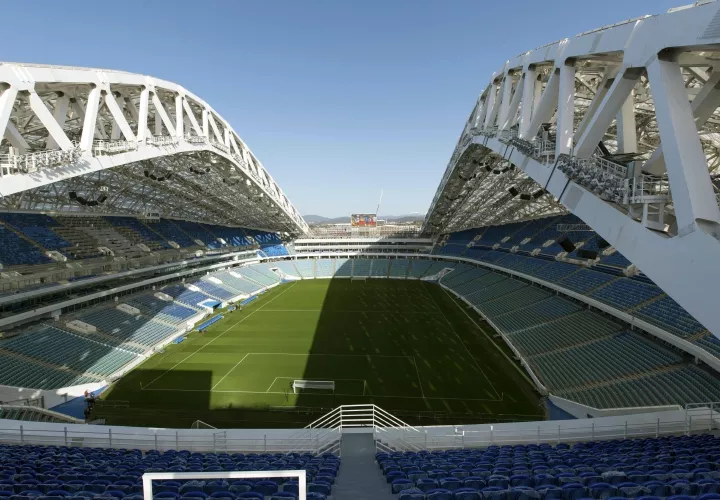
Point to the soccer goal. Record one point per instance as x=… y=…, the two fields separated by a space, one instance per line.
x=359 y=278
x=319 y=385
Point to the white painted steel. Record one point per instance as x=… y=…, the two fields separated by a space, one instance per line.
x=150 y=144
x=620 y=85
x=149 y=477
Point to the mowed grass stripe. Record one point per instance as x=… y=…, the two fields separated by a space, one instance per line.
x=414 y=347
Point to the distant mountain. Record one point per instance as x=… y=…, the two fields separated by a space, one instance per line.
x=319 y=219
x=315 y=219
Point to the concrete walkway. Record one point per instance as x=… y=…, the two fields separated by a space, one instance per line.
x=360 y=478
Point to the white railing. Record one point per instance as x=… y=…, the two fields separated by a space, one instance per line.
x=162 y=140
x=94 y=436
x=646 y=189
x=222 y=147
x=32 y=162
x=112 y=147
x=149 y=477
x=390 y=432
x=196 y=139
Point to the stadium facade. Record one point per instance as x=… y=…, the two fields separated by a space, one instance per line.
x=569 y=257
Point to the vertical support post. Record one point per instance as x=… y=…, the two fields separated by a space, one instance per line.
x=156 y=442
x=177 y=440
x=710 y=420
x=426 y=446
x=693 y=196
x=538 y=435
x=657 y=429
x=529 y=84
x=491 y=112
x=626 y=131
x=91 y=113
x=626 y=427
x=22 y=435
x=265 y=443
x=558 y=436
x=179 y=120
x=492 y=437
x=205 y=124
x=592 y=431
x=566 y=108
x=214 y=449
x=65 y=434
x=110 y=437
x=505 y=99
x=689 y=426
x=143 y=115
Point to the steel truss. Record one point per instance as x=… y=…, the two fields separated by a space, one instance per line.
x=619 y=125
x=127 y=143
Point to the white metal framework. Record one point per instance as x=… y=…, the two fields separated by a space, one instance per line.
x=110 y=141
x=619 y=125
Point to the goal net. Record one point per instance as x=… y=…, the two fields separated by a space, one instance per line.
x=319 y=385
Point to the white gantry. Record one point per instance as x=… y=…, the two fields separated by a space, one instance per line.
x=110 y=141
x=619 y=125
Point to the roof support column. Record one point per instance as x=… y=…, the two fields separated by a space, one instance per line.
x=693 y=197
x=566 y=108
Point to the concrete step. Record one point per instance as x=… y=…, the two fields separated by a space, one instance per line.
x=360 y=478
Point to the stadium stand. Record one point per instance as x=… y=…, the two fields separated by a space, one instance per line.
x=399 y=268
x=323 y=268
x=215 y=290
x=168 y=312
x=361 y=267
x=22 y=372
x=343 y=268
x=641 y=468
x=239 y=283
x=186 y=296
x=418 y=268
x=136 y=329
x=52 y=345
x=37 y=227
x=137 y=232
x=305 y=268
x=274 y=250
x=199 y=232
x=170 y=231
x=259 y=273
x=380 y=268
x=288 y=268
x=16 y=251
x=59 y=471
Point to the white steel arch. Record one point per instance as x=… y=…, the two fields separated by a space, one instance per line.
x=619 y=125
x=122 y=142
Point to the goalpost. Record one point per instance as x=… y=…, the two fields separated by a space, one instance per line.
x=322 y=385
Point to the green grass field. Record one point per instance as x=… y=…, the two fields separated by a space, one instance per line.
x=407 y=346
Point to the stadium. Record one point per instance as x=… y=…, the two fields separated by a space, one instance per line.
x=172 y=328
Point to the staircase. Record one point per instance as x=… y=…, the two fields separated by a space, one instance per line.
x=356 y=433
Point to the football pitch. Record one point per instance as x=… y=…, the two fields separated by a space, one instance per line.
x=409 y=347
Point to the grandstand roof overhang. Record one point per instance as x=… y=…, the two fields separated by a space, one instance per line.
x=621 y=125
x=582 y=99
x=81 y=139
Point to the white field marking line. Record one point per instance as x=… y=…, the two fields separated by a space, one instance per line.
x=213 y=340
x=229 y=371
x=422 y=391
x=510 y=360
x=355 y=395
x=463 y=343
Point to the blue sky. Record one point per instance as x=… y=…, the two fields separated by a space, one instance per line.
x=339 y=99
